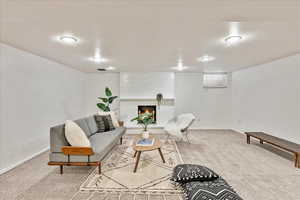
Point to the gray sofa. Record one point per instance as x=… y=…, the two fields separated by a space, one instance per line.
x=61 y=153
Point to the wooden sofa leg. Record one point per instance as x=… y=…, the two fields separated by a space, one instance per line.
x=248 y=139
x=99 y=167
x=61 y=169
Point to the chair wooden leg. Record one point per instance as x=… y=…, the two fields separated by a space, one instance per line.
x=61 y=169
x=134 y=154
x=121 y=140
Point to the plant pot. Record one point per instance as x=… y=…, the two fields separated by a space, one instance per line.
x=145 y=134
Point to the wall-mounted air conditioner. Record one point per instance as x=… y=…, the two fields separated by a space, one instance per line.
x=215 y=80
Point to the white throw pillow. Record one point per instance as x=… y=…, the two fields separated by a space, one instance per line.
x=113 y=117
x=75 y=135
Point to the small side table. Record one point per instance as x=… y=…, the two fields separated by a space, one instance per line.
x=139 y=149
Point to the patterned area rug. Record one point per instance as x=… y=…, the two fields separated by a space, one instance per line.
x=152 y=176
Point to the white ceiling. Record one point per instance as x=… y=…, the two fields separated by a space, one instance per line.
x=142 y=35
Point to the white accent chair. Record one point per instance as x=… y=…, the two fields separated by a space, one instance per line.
x=179 y=125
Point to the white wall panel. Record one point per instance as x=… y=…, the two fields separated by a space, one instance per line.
x=36 y=94
x=267 y=98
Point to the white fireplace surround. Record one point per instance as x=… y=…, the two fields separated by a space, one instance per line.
x=141 y=89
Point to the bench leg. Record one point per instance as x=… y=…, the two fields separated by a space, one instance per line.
x=297 y=164
x=61 y=169
x=261 y=142
x=248 y=139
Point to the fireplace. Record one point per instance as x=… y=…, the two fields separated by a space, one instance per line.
x=148 y=108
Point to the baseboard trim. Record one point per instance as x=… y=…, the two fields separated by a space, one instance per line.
x=238 y=131
x=208 y=128
x=6 y=169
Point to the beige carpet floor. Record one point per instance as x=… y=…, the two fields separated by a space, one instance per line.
x=257 y=172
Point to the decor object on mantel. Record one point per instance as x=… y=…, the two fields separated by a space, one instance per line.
x=159 y=99
x=144 y=119
x=107 y=101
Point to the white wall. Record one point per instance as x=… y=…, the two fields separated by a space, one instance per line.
x=94 y=87
x=212 y=106
x=1 y=107
x=36 y=94
x=267 y=98
x=146 y=85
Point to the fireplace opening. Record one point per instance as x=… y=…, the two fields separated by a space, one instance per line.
x=148 y=109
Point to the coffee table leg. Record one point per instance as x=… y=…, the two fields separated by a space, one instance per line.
x=161 y=155
x=137 y=161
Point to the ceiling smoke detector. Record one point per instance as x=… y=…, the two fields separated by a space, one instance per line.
x=206 y=58
x=233 y=39
x=68 y=39
x=110 y=68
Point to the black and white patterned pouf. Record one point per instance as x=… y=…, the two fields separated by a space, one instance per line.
x=188 y=172
x=217 y=189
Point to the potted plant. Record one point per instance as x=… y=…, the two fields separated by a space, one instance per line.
x=144 y=119
x=106 y=101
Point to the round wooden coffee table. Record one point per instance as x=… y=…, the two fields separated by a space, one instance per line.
x=139 y=149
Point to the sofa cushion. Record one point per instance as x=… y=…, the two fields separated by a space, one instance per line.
x=75 y=135
x=57 y=138
x=113 y=116
x=92 y=124
x=217 y=189
x=101 y=141
x=104 y=123
x=188 y=172
x=84 y=126
x=100 y=123
x=108 y=123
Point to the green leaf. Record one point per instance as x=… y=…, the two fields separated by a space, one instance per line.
x=108 y=92
x=107 y=109
x=102 y=106
x=111 y=99
x=105 y=100
x=136 y=118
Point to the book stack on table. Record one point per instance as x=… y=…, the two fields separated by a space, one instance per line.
x=145 y=142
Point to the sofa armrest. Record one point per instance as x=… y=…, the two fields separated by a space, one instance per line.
x=71 y=150
x=121 y=123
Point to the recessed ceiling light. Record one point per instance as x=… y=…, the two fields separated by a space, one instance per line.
x=110 y=68
x=68 y=39
x=180 y=66
x=206 y=58
x=233 y=39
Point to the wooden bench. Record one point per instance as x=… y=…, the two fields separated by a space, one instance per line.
x=278 y=142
